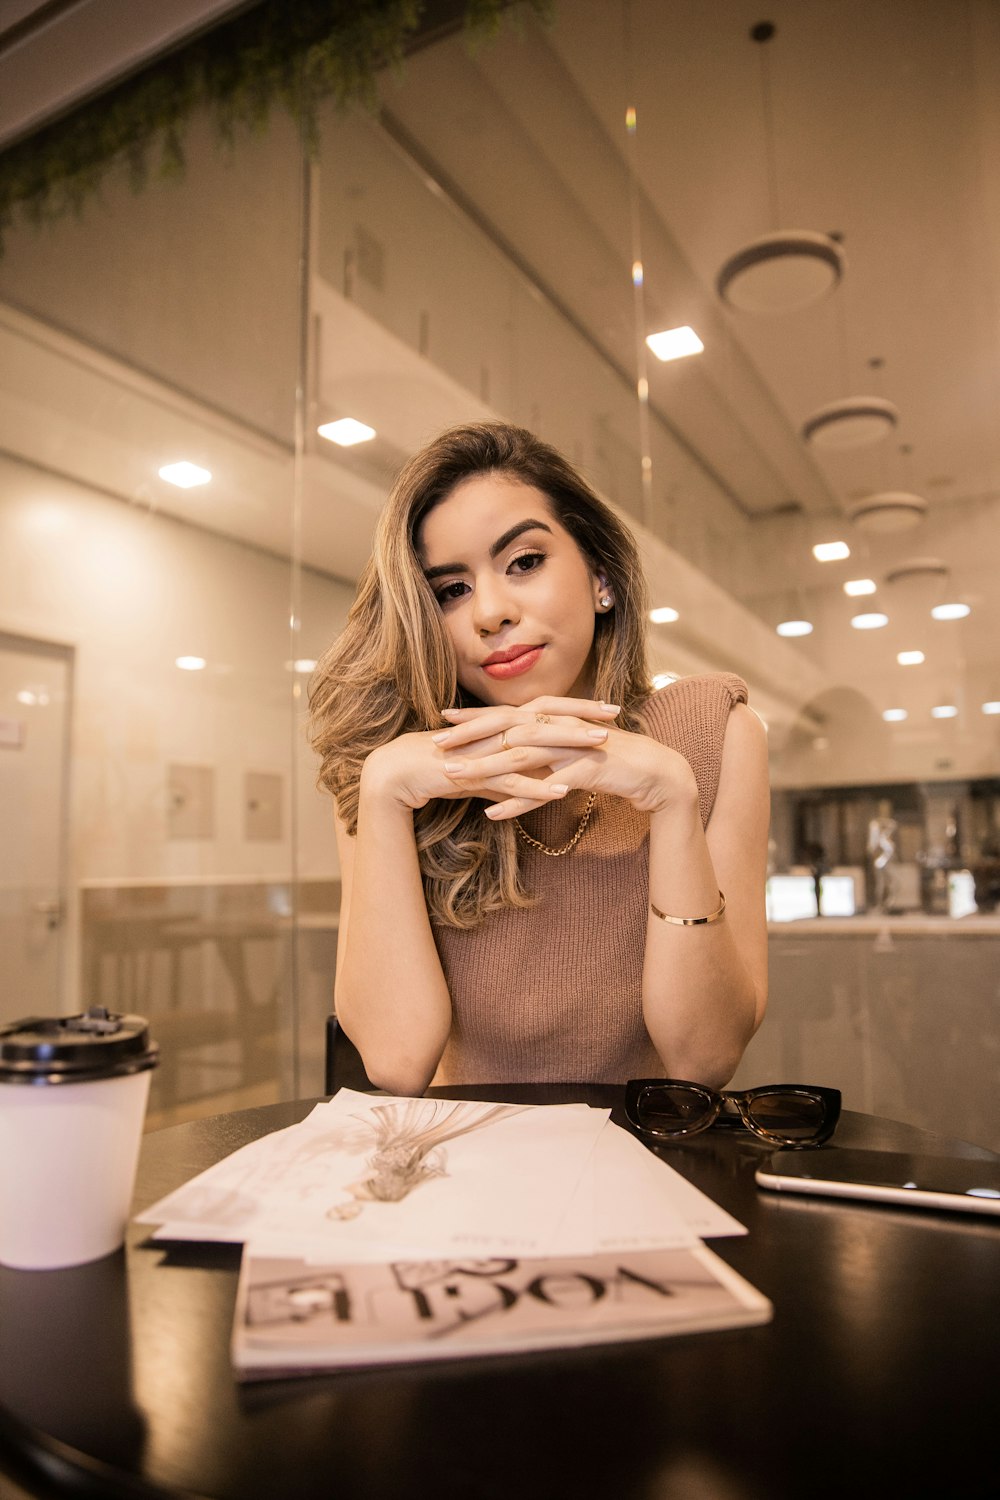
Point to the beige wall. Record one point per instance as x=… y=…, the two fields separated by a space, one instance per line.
x=131 y=591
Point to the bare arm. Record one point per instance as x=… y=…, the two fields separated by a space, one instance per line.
x=391 y=996
x=705 y=988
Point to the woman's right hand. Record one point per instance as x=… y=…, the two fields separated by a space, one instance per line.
x=410 y=771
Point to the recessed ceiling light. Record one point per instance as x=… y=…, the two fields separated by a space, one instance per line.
x=184 y=475
x=858 y=586
x=874 y=621
x=909 y=658
x=346 y=432
x=794 y=627
x=190 y=663
x=950 y=611
x=944 y=711
x=991 y=708
x=894 y=715
x=674 y=343
x=831 y=551
x=302 y=664
x=663 y=615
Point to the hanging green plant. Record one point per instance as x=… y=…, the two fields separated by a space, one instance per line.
x=293 y=57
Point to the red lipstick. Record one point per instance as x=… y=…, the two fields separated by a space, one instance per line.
x=512 y=662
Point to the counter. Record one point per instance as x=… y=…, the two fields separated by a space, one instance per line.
x=908 y=923
x=902 y=1014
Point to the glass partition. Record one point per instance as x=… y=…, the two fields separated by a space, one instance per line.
x=496 y=238
x=157 y=330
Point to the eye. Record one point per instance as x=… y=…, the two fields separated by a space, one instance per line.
x=450 y=592
x=526 y=562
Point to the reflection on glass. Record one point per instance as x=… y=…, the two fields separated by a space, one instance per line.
x=674 y=343
x=950 y=611
x=831 y=551
x=185 y=476
x=872 y=621
x=346 y=431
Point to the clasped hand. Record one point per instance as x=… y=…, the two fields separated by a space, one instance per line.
x=517 y=759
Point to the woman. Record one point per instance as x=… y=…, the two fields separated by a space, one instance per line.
x=533 y=845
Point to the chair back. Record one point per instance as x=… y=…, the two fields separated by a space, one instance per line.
x=344 y=1068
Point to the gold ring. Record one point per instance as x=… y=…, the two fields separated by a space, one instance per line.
x=543 y=719
x=503 y=741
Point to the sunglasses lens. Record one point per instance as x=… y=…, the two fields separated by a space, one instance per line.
x=672 y=1109
x=796 y=1117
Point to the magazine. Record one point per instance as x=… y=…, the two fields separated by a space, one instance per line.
x=293 y=1316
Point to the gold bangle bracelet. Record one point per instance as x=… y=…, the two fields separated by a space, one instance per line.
x=713 y=916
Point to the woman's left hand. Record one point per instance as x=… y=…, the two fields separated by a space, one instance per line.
x=544 y=740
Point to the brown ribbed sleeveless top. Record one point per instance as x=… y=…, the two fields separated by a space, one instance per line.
x=553 y=993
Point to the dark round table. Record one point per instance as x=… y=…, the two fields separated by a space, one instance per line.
x=878 y=1376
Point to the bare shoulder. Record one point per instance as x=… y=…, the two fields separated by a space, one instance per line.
x=745 y=734
x=743 y=799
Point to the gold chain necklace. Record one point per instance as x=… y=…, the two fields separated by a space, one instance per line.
x=555 y=853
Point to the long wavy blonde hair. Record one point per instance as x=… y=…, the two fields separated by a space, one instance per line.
x=393 y=669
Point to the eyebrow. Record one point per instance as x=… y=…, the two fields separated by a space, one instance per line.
x=497 y=547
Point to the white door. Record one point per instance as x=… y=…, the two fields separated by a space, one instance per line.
x=35 y=686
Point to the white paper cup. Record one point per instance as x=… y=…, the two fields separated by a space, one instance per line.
x=71 y=1116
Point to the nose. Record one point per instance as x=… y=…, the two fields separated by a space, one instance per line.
x=493 y=606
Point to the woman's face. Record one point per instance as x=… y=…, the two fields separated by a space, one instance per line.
x=517 y=595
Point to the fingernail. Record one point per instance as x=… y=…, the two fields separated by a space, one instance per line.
x=611 y=708
x=493 y=812
x=454 y=767
x=597 y=734
x=557 y=789
x=450 y=713
x=440 y=738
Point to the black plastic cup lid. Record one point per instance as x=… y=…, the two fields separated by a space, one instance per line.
x=75 y=1049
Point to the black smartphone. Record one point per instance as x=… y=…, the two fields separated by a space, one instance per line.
x=967 y=1183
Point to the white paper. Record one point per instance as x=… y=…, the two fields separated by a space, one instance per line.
x=701 y=1214
x=628 y=1200
x=471 y=1179
x=370 y=1177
